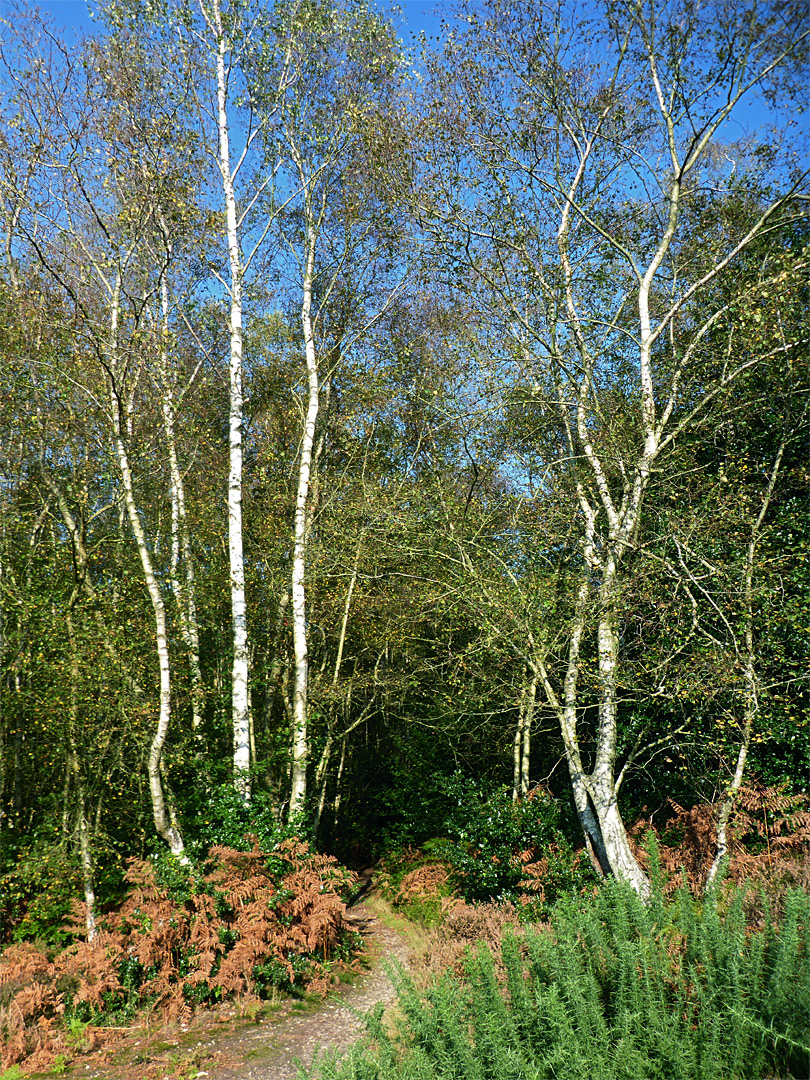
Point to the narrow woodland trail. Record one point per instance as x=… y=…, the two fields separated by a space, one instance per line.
x=233 y=1043
x=270 y=1049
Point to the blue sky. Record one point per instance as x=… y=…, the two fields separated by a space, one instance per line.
x=418 y=15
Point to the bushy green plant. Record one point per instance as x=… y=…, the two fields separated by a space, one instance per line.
x=493 y=837
x=407 y=801
x=617 y=989
x=38 y=893
x=224 y=820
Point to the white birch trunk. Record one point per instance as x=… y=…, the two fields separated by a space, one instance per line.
x=568 y=727
x=300 y=734
x=527 y=736
x=184 y=591
x=521 y=745
x=603 y=787
x=239 y=683
x=166 y=829
x=74 y=770
x=517 y=749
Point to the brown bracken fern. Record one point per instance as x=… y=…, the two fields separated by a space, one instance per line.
x=238 y=926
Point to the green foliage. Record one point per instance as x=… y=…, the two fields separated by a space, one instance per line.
x=617 y=989
x=494 y=836
x=38 y=893
x=410 y=801
x=223 y=819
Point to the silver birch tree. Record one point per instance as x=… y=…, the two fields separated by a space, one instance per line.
x=347 y=68
x=89 y=220
x=229 y=39
x=589 y=171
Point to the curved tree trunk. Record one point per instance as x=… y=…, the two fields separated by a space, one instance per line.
x=166 y=829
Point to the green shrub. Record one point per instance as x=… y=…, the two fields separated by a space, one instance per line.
x=493 y=837
x=616 y=990
x=224 y=820
x=38 y=894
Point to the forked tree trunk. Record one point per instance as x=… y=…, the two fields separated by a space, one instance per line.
x=602 y=780
x=521 y=747
x=595 y=791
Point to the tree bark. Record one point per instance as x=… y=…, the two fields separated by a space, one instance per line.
x=521 y=747
x=166 y=829
x=74 y=771
x=184 y=591
x=240 y=672
x=300 y=737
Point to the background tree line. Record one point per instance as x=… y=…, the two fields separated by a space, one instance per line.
x=371 y=420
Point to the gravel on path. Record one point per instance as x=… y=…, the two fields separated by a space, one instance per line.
x=269 y=1051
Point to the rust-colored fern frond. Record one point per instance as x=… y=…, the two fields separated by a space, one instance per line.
x=203 y=941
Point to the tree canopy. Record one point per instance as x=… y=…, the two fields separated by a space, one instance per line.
x=377 y=421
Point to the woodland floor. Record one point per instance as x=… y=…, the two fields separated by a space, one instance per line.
x=257 y=1040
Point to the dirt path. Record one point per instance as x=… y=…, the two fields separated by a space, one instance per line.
x=270 y=1050
x=226 y=1044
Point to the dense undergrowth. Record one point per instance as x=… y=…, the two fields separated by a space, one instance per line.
x=612 y=989
x=238 y=922
x=577 y=978
x=491 y=848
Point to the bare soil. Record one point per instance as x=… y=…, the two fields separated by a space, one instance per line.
x=257 y=1040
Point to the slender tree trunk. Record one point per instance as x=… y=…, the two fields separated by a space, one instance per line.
x=525 y=763
x=184 y=591
x=344 y=622
x=239 y=683
x=517 y=746
x=521 y=746
x=568 y=728
x=166 y=829
x=74 y=770
x=322 y=782
x=300 y=735
x=322 y=773
x=17 y=799
x=750 y=680
x=522 y=741
x=338 y=779
x=85 y=582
